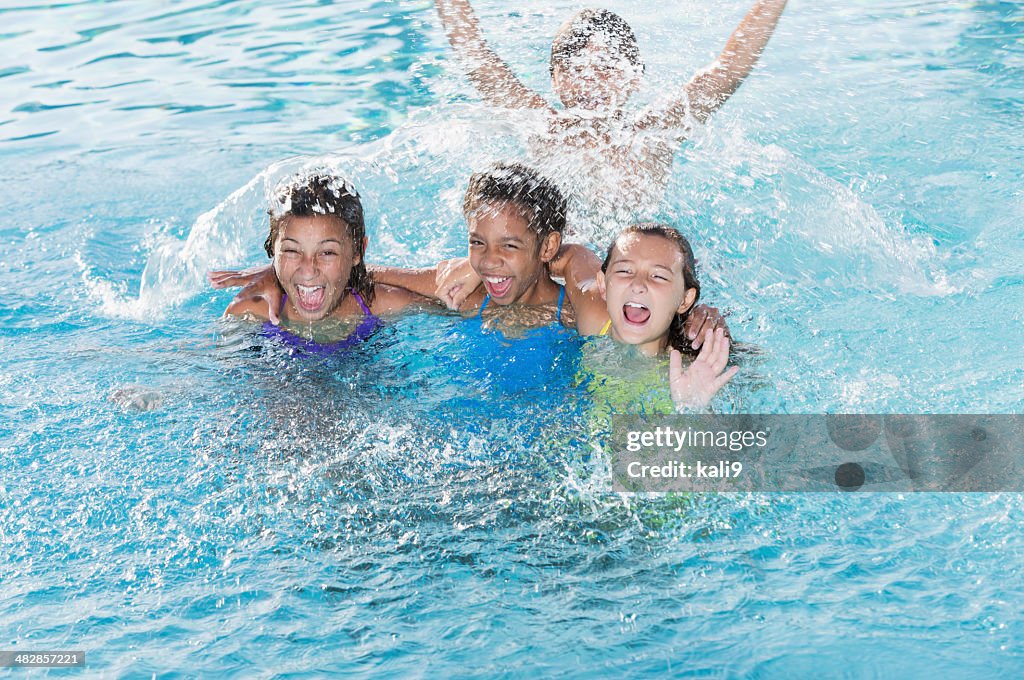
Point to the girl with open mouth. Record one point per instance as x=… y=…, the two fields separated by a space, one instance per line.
x=327 y=299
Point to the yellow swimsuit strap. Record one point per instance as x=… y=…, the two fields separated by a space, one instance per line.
x=607 y=327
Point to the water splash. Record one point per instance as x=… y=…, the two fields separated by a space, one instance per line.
x=775 y=209
x=765 y=202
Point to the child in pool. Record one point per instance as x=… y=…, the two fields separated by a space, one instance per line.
x=649 y=289
x=317 y=240
x=595 y=68
x=516 y=218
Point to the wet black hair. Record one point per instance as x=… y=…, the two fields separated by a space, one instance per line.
x=539 y=200
x=576 y=35
x=676 y=337
x=324 y=195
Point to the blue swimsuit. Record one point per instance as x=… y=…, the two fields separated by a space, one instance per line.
x=537 y=360
x=558 y=317
x=362 y=332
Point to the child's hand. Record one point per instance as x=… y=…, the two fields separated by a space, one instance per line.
x=456 y=280
x=260 y=284
x=701 y=320
x=230 y=278
x=695 y=387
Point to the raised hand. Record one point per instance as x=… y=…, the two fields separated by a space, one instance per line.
x=486 y=70
x=694 y=387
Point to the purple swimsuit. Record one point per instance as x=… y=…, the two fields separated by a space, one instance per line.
x=362 y=332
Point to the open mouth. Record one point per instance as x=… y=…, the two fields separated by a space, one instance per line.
x=498 y=286
x=310 y=298
x=636 y=313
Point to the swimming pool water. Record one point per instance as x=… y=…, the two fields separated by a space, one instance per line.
x=857 y=206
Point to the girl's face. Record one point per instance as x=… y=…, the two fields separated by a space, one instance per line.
x=313 y=258
x=505 y=253
x=644 y=289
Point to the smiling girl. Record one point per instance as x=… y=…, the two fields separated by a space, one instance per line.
x=317 y=242
x=649 y=284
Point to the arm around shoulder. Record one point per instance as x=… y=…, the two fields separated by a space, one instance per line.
x=391 y=300
x=420 y=281
x=579 y=266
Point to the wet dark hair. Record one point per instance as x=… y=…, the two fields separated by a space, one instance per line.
x=676 y=337
x=575 y=37
x=330 y=196
x=535 y=196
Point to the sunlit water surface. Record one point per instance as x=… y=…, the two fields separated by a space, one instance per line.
x=857 y=206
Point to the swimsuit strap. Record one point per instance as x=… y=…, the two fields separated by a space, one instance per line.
x=359 y=299
x=367 y=326
x=487 y=298
x=607 y=327
x=361 y=333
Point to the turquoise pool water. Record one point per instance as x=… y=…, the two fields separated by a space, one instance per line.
x=857 y=206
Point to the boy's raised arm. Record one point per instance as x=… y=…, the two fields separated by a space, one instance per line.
x=712 y=87
x=491 y=76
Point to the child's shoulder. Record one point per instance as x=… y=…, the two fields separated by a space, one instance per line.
x=248 y=308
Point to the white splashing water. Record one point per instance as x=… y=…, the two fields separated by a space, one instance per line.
x=721 y=174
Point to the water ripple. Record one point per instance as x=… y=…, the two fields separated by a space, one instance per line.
x=234 y=45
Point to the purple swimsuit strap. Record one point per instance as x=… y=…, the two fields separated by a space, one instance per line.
x=361 y=333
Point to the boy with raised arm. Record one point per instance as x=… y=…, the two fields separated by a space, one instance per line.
x=595 y=69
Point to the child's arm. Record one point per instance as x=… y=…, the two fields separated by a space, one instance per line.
x=712 y=87
x=261 y=296
x=699 y=383
x=578 y=265
x=419 y=281
x=491 y=76
x=392 y=300
x=423 y=283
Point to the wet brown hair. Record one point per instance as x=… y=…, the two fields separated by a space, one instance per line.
x=326 y=196
x=573 y=38
x=535 y=196
x=676 y=337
